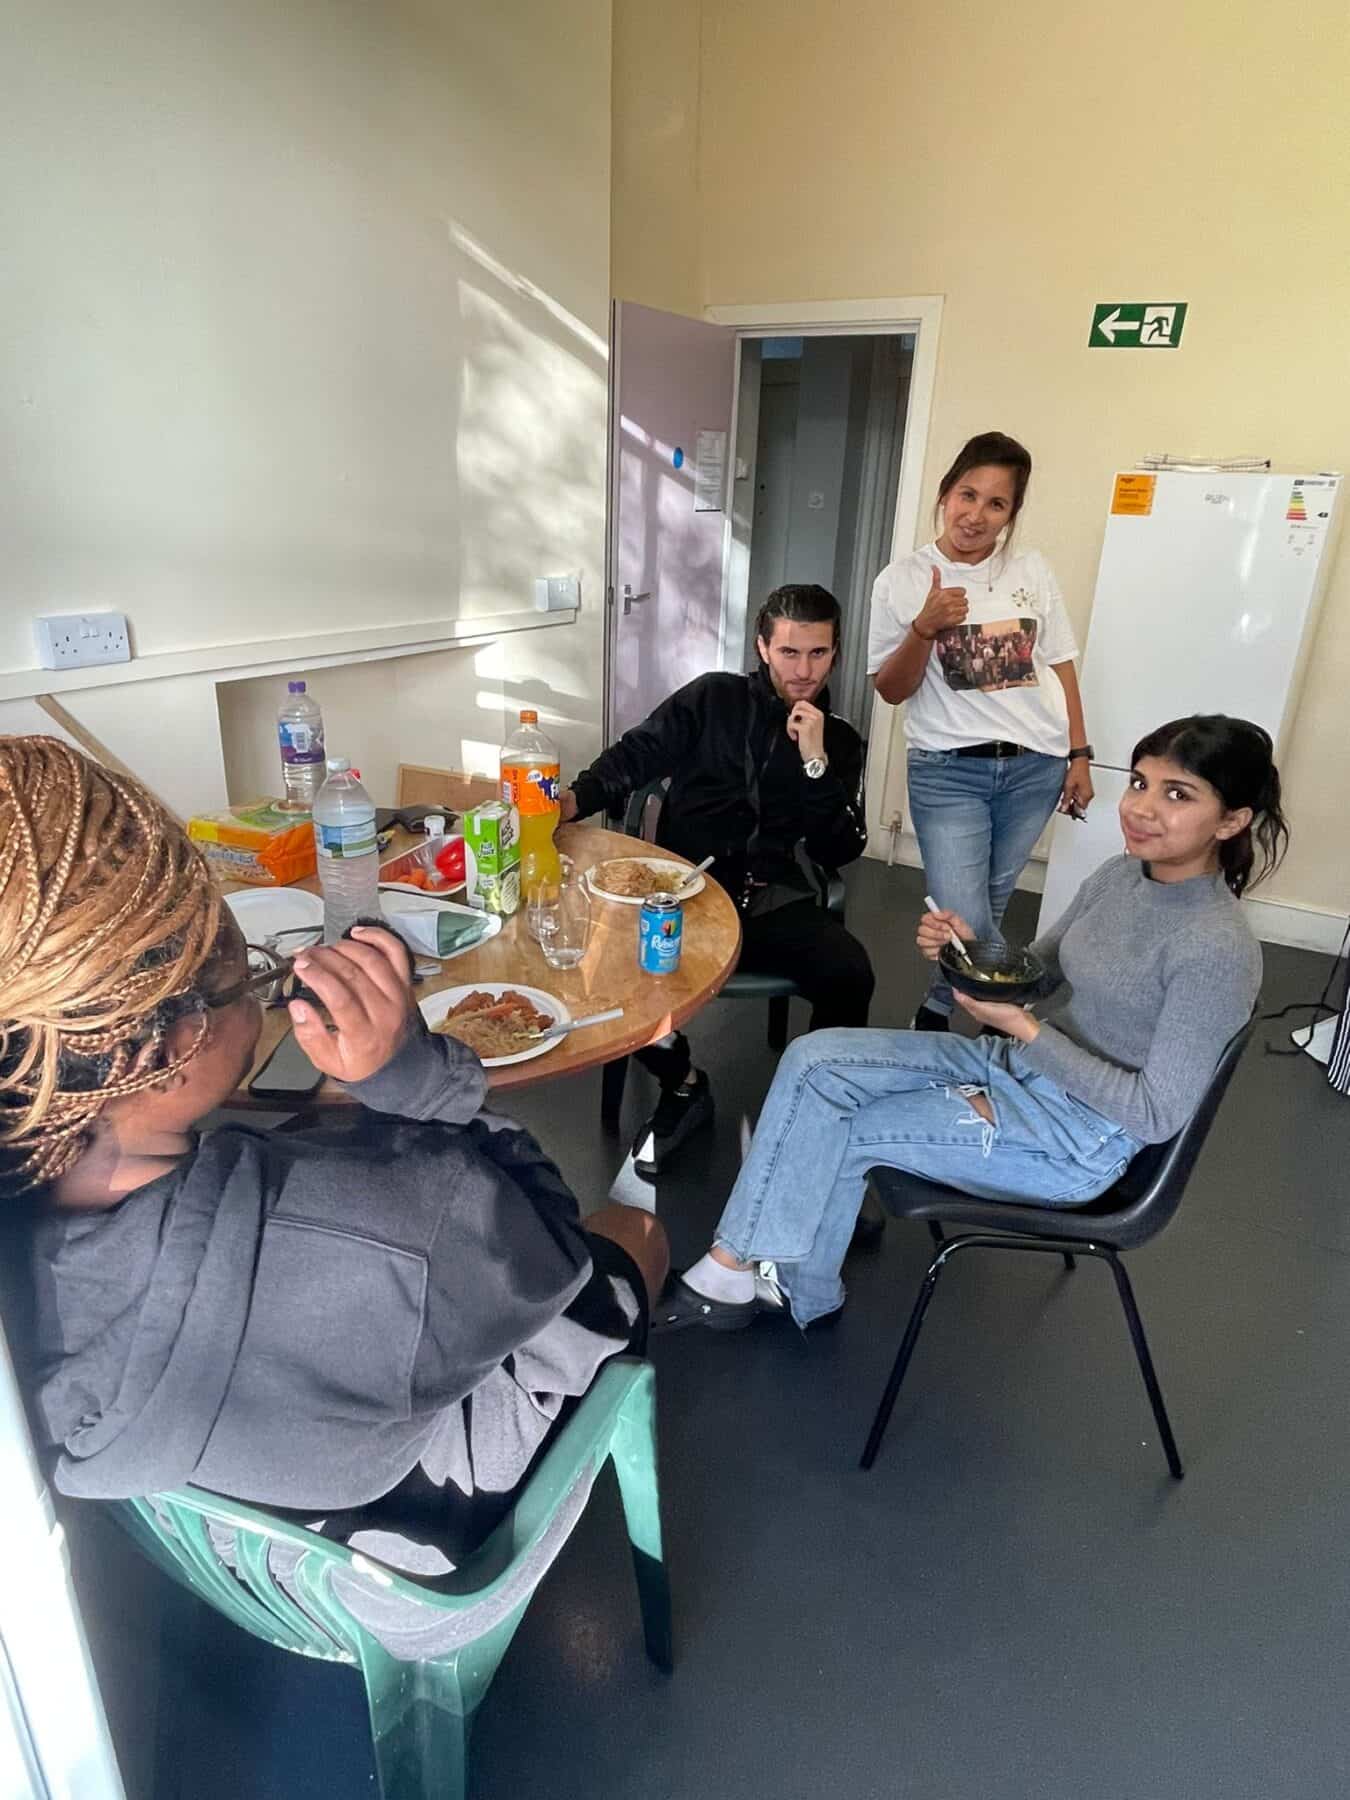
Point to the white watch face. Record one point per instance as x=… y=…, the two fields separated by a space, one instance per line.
x=815 y=768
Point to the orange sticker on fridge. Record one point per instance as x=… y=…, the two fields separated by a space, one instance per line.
x=1133 y=495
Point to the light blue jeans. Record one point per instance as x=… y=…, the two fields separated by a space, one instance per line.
x=843 y=1102
x=977 y=820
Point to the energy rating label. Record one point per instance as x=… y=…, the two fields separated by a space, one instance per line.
x=1297 y=511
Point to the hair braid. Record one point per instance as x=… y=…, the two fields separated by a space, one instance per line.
x=106 y=910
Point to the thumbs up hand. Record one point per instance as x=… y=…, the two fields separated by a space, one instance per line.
x=943 y=607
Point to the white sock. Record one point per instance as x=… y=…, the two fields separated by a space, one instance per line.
x=716 y=1282
x=629 y=1189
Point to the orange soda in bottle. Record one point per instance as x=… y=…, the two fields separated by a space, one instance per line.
x=530 y=772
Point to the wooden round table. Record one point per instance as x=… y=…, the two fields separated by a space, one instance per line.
x=607 y=976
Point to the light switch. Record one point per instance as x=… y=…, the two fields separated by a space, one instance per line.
x=557 y=593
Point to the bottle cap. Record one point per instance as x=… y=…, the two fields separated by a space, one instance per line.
x=295 y=687
x=529 y=716
x=338 y=765
x=434 y=825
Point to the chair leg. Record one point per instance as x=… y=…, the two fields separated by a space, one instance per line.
x=634 y=1452
x=421 y=1714
x=935 y=1231
x=780 y=1008
x=1146 y=1369
x=612 y=1079
x=906 y=1350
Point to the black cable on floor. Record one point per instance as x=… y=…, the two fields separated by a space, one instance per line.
x=1316 y=1007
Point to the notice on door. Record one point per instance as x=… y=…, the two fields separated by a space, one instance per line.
x=710 y=471
x=1133 y=495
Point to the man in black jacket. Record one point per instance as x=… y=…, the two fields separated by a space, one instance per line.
x=767 y=781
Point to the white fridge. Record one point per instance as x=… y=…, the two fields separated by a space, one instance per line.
x=1207 y=597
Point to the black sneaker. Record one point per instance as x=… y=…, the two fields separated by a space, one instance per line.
x=929 y=1019
x=680 y=1112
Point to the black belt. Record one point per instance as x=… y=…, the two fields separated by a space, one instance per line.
x=999 y=750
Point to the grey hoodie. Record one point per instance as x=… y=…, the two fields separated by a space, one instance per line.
x=298 y=1320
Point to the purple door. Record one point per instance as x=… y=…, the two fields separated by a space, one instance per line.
x=671 y=384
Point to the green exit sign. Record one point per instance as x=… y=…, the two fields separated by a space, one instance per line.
x=1137 y=324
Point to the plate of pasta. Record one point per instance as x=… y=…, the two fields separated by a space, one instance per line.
x=630 y=880
x=498 y=1019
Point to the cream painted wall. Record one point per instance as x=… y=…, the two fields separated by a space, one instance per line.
x=305 y=329
x=656 y=209
x=1024 y=166
x=448 y=709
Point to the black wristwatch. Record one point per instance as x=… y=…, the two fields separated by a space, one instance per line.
x=1083 y=753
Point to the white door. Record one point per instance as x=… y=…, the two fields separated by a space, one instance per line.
x=671 y=385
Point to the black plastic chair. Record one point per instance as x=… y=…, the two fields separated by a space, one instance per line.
x=1127 y=1215
x=640 y=819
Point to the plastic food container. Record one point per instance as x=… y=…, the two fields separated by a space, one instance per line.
x=436 y=867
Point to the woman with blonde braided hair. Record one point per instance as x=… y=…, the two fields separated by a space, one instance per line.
x=381 y=1323
x=107 y=912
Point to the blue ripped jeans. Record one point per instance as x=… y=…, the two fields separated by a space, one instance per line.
x=977 y=820
x=843 y=1102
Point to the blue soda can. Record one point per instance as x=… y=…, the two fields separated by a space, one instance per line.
x=660 y=929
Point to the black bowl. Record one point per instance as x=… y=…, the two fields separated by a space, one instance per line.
x=1001 y=972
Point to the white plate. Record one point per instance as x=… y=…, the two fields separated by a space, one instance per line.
x=434 y=1008
x=659 y=865
x=263 y=912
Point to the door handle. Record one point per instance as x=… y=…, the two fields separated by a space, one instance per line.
x=630 y=599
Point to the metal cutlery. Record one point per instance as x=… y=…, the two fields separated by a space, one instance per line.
x=600 y=1018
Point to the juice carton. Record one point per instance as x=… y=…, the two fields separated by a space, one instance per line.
x=492 y=857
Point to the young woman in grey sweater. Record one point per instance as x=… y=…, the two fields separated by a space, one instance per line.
x=1153 y=968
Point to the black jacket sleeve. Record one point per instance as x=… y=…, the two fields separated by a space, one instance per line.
x=836 y=826
x=648 y=752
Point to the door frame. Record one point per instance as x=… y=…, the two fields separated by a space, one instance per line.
x=917 y=315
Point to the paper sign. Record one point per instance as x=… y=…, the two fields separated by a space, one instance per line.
x=710 y=471
x=1134 y=495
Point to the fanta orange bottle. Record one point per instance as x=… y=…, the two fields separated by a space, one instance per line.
x=530 y=783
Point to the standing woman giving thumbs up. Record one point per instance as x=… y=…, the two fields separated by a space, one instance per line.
x=966 y=631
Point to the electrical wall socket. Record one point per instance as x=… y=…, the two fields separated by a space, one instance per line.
x=81 y=640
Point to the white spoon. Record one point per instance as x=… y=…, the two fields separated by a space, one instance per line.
x=955 y=941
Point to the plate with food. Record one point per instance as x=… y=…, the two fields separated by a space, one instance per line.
x=995 y=971
x=498 y=1019
x=632 y=879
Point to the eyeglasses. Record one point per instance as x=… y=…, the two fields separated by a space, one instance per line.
x=270 y=976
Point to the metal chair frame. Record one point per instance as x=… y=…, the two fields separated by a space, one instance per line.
x=1131 y=1212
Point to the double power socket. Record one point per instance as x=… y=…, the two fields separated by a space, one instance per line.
x=81 y=640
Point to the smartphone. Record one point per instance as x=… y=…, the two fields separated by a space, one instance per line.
x=288 y=1074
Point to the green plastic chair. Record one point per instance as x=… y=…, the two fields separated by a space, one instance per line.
x=421 y=1711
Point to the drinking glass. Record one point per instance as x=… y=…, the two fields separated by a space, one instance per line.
x=565 y=922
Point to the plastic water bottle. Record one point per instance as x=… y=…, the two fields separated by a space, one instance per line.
x=349 y=859
x=300 y=733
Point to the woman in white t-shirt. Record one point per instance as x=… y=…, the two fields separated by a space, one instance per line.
x=964 y=631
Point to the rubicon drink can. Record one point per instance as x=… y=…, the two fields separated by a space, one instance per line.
x=660 y=930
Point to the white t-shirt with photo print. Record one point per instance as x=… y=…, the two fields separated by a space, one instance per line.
x=989 y=678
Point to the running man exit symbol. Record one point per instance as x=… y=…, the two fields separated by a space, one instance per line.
x=1137 y=325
